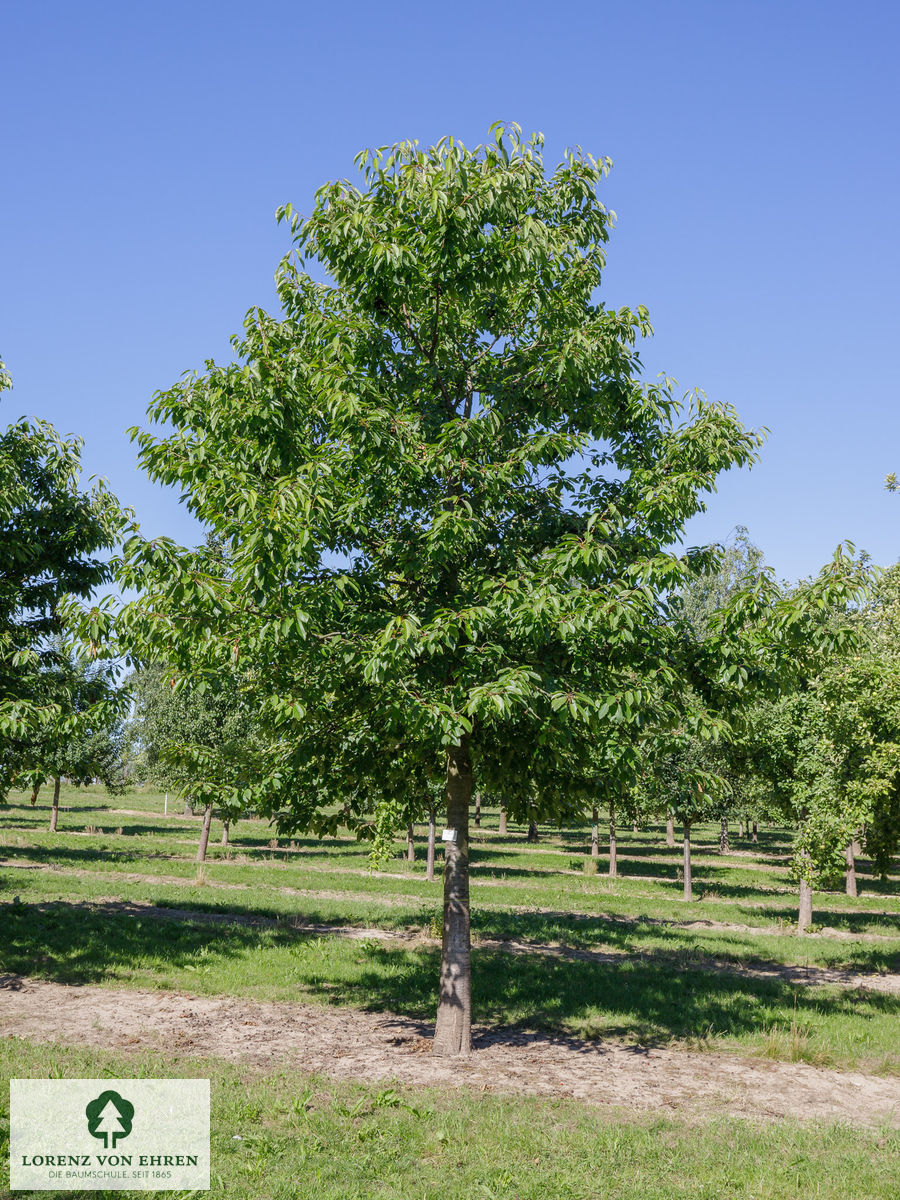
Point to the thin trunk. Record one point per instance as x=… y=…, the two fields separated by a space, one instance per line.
x=188 y=811
x=478 y=810
x=54 y=811
x=613 y=864
x=740 y=828
x=724 y=844
x=595 y=833
x=804 y=917
x=850 y=877
x=502 y=829
x=453 y=1031
x=410 y=844
x=755 y=832
x=429 y=861
x=35 y=792
x=670 y=831
x=225 y=833
x=533 y=835
x=688 y=882
x=634 y=827
x=204 y=834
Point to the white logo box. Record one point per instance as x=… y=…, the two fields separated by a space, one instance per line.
x=108 y=1134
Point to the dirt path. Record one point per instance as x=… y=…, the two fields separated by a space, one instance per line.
x=376 y=1047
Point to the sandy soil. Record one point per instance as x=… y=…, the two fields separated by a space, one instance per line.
x=374 y=1047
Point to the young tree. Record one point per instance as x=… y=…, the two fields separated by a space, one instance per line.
x=448 y=501
x=197 y=739
x=53 y=544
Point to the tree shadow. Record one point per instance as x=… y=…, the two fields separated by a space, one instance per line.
x=649 y=997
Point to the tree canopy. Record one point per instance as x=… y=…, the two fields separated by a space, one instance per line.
x=449 y=503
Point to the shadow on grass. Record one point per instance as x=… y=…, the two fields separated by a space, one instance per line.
x=644 y=997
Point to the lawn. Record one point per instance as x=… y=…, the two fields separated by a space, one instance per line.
x=284 y=1136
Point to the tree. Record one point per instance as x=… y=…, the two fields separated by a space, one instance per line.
x=53 y=543
x=449 y=503
x=197 y=738
x=85 y=742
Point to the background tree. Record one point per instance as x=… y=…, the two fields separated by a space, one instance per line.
x=53 y=544
x=197 y=739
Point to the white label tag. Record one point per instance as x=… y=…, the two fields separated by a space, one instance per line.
x=449 y=835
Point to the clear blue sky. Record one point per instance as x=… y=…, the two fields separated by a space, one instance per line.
x=756 y=182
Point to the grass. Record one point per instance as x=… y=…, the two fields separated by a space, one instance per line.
x=284 y=1136
x=63 y=894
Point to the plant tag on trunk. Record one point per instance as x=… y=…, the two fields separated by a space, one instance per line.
x=448 y=835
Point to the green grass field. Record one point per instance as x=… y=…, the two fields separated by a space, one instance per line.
x=76 y=910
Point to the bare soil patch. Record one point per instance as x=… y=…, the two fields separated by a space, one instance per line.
x=374 y=1047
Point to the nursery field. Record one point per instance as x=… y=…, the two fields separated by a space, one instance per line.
x=627 y=1043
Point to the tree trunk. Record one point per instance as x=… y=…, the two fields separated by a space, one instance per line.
x=453 y=1031
x=410 y=844
x=670 y=831
x=755 y=832
x=35 y=792
x=688 y=881
x=724 y=844
x=740 y=828
x=478 y=810
x=613 y=864
x=634 y=827
x=804 y=917
x=204 y=834
x=54 y=811
x=225 y=833
x=857 y=848
x=533 y=835
x=850 y=877
x=188 y=812
x=429 y=861
x=595 y=833
x=502 y=829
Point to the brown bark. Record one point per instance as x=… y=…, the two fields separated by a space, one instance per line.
x=478 y=810
x=54 y=811
x=755 y=832
x=35 y=792
x=634 y=827
x=410 y=844
x=533 y=835
x=724 y=844
x=429 y=861
x=225 y=833
x=453 y=1031
x=688 y=880
x=740 y=828
x=613 y=863
x=804 y=916
x=670 y=831
x=204 y=834
x=850 y=876
x=502 y=829
x=595 y=833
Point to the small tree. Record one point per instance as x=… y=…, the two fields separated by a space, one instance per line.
x=197 y=738
x=53 y=539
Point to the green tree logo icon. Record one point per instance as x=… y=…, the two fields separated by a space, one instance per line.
x=109 y=1117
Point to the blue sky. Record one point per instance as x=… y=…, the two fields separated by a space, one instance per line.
x=146 y=147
